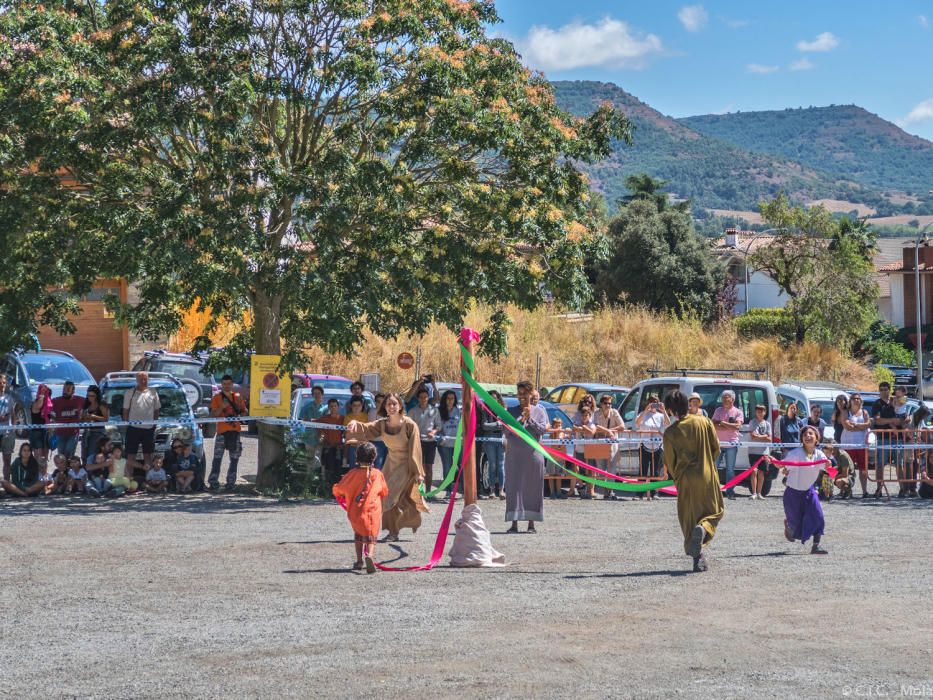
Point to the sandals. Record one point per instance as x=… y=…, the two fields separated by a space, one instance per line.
x=370 y=565
x=358 y=566
x=512 y=530
x=816 y=549
x=531 y=530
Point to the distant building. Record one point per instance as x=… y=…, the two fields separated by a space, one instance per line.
x=902 y=280
x=757 y=290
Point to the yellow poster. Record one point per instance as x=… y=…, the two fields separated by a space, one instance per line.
x=269 y=391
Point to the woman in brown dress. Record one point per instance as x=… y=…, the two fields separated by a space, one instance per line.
x=403 y=470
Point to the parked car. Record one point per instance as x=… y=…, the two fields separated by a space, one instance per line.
x=200 y=385
x=903 y=376
x=301 y=398
x=553 y=410
x=567 y=396
x=27 y=370
x=809 y=393
x=174 y=404
x=748 y=394
x=303 y=380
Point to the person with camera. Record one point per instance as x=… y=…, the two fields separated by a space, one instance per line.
x=425 y=381
x=227 y=404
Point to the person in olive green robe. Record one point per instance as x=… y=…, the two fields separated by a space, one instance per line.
x=691 y=449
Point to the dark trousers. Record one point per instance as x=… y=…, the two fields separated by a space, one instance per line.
x=332 y=461
x=225 y=442
x=428 y=452
x=651 y=463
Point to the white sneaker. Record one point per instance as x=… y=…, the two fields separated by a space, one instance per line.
x=755 y=496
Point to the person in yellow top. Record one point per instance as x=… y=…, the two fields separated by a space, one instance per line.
x=227 y=404
x=691 y=449
x=359 y=414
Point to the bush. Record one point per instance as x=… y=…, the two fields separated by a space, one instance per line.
x=882 y=374
x=775 y=324
x=888 y=352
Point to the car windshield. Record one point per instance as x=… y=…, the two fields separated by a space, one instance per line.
x=184 y=370
x=238 y=376
x=826 y=407
x=56 y=370
x=331 y=383
x=746 y=398
x=172 y=400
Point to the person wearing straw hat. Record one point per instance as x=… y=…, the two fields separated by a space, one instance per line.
x=802 y=510
x=691 y=450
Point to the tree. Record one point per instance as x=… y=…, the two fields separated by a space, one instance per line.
x=307 y=168
x=657 y=259
x=824 y=267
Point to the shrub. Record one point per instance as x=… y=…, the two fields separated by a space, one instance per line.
x=889 y=352
x=882 y=374
x=774 y=324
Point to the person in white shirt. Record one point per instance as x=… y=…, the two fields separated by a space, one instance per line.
x=140 y=404
x=651 y=423
x=802 y=509
x=77 y=476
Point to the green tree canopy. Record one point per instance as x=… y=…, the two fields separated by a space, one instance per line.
x=324 y=165
x=657 y=259
x=824 y=266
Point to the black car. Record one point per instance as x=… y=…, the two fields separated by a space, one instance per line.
x=184 y=367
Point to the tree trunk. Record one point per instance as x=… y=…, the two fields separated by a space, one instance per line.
x=267 y=325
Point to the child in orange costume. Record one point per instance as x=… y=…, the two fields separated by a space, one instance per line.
x=363 y=488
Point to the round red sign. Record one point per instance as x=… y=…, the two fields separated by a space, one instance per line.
x=270 y=381
x=406 y=360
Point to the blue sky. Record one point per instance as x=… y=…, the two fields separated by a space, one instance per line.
x=686 y=58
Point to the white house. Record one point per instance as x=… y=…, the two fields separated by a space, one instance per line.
x=756 y=290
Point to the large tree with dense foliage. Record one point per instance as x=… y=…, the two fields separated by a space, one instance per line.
x=314 y=167
x=657 y=258
x=824 y=266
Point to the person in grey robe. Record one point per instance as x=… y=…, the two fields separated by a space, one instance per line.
x=524 y=466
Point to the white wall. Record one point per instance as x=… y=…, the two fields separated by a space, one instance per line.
x=762 y=293
x=897 y=301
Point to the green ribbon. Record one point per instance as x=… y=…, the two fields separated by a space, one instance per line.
x=507 y=418
x=452 y=472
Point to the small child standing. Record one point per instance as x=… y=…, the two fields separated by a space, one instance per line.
x=156 y=478
x=363 y=489
x=77 y=476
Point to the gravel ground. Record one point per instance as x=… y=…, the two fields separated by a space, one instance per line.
x=239 y=596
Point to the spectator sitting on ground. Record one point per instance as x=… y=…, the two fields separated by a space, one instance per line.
x=59 y=482
x=156 y=478
x=97 y=482
x=187 y=464
x=24 y=474
x=77 y=476
x=118 y=468
x=845 y=468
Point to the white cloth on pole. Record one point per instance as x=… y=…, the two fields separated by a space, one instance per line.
x=472 y=545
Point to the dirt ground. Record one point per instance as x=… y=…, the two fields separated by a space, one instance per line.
x=239 y=596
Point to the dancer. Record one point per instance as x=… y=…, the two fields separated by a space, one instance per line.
x=691 y=450
x=402 y=469
x=363 y=488
x=804 y=514
x=524 y=466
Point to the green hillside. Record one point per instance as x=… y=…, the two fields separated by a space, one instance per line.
x=712 y=172
x=845 y=141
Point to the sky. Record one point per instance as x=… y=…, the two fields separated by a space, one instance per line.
x=725 y=56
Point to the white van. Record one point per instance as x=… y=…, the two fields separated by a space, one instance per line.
x=748 y=394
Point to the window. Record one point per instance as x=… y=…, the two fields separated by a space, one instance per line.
x=629 y=408
x=174 y=403
x=184 y=370
x=746 y=398
x=55 y=370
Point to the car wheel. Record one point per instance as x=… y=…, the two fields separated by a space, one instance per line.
x=766 y=488
x=192 y=392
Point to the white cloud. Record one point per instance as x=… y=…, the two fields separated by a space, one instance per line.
x=693 y=17
x=923 y=112
x=924 y=22
x=610 y=43
x=737 y=23
x=826 y=41
x=802 y=64
x=760 y=69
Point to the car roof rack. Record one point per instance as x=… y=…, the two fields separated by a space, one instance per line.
x=656 y=372
x=46 y=351
x=125 y=374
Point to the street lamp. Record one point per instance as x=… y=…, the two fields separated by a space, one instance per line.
x=921 y=238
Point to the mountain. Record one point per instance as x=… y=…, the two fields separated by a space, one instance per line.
x=715 y=172
x=845 y=141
